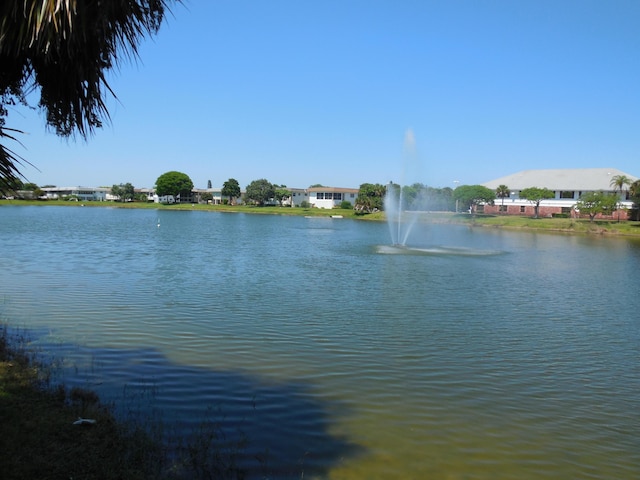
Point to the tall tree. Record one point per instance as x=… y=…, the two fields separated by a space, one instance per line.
x=281 y=193
x=124 y=191
x=502 y=192
x=634 y=190
x=471 y=196
x=260 y=191
x=370 y=197
x=535 y=195
x=593 y=203
x=231 y=189
x=174 y=183
x=634 y=193
x=618 y=182
x=63 y=49
x=208 y=183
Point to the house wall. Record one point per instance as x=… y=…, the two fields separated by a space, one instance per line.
x=318 y=199
x=528 y=210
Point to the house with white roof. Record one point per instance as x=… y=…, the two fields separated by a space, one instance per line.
x=81 y=193
x=322 y=197
x=566 y=184
x=331 y=197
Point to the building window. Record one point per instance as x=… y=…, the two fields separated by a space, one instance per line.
x=521 y=208
x=337 y=196
x=566 y=194
x=503 y=208
x=328 y=196
x=320 y=196
x=353 y=195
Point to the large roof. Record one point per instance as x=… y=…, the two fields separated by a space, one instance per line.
x=561 y=179
x=333 y=189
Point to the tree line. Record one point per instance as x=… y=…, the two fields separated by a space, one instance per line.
x=469 y=197
x=415 y=197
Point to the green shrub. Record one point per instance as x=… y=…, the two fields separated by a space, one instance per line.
x=346 y=205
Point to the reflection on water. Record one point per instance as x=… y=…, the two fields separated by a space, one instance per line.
x=488 y=355
x=434 y=250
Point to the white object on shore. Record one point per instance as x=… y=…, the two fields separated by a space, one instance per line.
x=84 y=421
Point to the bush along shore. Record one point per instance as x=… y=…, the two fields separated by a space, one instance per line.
x=50 y=432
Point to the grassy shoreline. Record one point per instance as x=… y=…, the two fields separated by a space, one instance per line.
x=43 y=435
x=510 y=222
x=40 y=439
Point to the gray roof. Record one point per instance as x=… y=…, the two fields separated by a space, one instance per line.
x=584 y=179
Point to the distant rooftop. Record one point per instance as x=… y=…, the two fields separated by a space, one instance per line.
x=561 y=179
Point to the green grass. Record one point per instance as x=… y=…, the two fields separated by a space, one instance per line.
x=565 y=225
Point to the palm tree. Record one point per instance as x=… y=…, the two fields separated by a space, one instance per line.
x=63 y=48
x=501 y=192
x=618 y=182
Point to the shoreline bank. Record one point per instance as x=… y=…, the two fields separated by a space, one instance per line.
x=579 y=226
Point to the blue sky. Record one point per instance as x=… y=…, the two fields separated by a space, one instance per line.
x=306 y=92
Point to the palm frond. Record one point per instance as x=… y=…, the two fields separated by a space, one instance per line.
x=64 y=48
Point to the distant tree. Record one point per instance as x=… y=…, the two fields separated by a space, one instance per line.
x=634 y=191
x=370 y=198
x=410 y=194
x=618 y=182
x=124 y=191
x=116 y=191
x=260 y=191
x=174 y=183
x=634 y=195
x=440 y=199
x=62 y=51
x=593 y=203
x=470 y=196
x=29 y=186
x=206 y=197
x=231 y=189
x=38 y=193
x=502 y=192
x=281 y=193
x=11 y=185
x=535 y=195
x=316 y=185
x=208 y=183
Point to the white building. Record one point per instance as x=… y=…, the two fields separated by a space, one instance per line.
x=567 y=185
x=86 y=194
x=323 y=197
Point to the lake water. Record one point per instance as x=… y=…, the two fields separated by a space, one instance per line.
x=488 y=355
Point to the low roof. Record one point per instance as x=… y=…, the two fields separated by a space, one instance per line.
x=333 y=189
x=561 y=179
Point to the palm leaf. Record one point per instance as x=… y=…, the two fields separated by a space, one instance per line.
x=63 y=48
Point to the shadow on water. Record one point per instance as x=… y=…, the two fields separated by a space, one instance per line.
x=277 y=429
